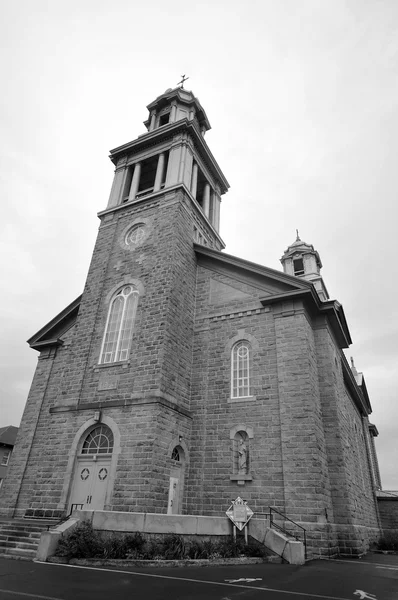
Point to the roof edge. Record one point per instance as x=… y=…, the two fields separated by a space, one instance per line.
x=38 y=338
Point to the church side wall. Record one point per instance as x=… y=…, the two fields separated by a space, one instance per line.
x=219 y=323
x=355 y=520
x=305 y=468
x=21 y=466
x=361 y=498
x=330 y=381
x=388 y=507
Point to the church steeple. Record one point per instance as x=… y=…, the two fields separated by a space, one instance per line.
x=302 y=260
x=171 y=154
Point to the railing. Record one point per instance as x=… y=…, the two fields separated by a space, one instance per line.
x=274 y=525
x=75 y=507
x=65 y=517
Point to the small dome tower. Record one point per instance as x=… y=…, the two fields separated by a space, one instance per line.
x=302 y=260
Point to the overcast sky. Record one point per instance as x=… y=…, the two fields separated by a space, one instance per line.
x=302 y=97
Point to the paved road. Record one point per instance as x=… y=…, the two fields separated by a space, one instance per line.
x=373 y=577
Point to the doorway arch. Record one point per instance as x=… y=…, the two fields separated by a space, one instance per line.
x=96 y=447
x=177 y=457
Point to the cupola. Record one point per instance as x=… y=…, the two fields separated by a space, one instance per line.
x=302 y=260
x=174 y=105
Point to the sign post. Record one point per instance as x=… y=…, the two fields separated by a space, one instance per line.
x=240 y=514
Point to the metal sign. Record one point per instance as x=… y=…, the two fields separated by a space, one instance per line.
x=239 y=513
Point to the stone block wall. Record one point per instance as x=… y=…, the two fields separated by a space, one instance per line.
x=20 y=467
x=388 y=508
x=146 y=397
x=163 y=267
x=306 y=474
x=220 y=322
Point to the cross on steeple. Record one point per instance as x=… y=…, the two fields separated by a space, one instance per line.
x=183 y=78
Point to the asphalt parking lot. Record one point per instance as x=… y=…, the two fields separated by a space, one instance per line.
x=374 y=577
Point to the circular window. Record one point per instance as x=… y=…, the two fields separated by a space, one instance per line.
x=135 y=235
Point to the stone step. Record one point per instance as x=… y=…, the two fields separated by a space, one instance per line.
x=15 y=556
x=30 y=529
x=4 y=533
x=18 y=538
x=19 y=545
x=18 y=553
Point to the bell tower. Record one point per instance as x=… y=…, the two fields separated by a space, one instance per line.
x=171 y=154
x=302 y=260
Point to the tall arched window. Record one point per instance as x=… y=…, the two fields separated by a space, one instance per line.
x=119 y=325
x=240 y=369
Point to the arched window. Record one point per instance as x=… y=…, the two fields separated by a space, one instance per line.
x=119 y=325
x=98 y=441
x=240 y=370
x=175 y=455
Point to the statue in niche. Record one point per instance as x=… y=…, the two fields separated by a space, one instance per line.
x=242 y=456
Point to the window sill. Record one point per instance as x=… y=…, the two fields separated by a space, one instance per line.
x=120 y=363
x=242 y=399
x=241 y=477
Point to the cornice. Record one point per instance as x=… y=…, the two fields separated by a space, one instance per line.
x=154 y=399
x=253 y=267
x=39 y=339
x=166 y=131
x=154 y=196
x=361 y=402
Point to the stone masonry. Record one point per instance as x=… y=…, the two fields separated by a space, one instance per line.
x=169 y=406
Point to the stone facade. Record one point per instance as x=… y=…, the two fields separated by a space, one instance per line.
x=175 y=423
x=388 y=508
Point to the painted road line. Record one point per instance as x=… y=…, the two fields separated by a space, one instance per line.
x=390 y=568
x=354 y=562
x=244 y=580
x=204 y=581
x=364 y=595
x=26 y=595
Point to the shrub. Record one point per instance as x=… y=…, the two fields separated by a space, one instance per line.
x=389 y=540
x=229 y=548
x=82 y=542
x=173 y=547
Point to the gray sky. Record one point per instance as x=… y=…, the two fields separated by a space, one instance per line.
x=302 y=97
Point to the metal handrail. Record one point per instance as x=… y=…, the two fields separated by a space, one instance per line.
x=285 y=518
x=65 y=517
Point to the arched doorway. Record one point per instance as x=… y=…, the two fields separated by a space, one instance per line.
x=176 y=485
x=92 y=469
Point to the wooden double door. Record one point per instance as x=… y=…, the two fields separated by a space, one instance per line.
x=90 y=483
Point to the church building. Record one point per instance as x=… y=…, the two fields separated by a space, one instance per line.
x=184 y=377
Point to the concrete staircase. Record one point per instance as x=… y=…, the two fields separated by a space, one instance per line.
x=19 y=538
